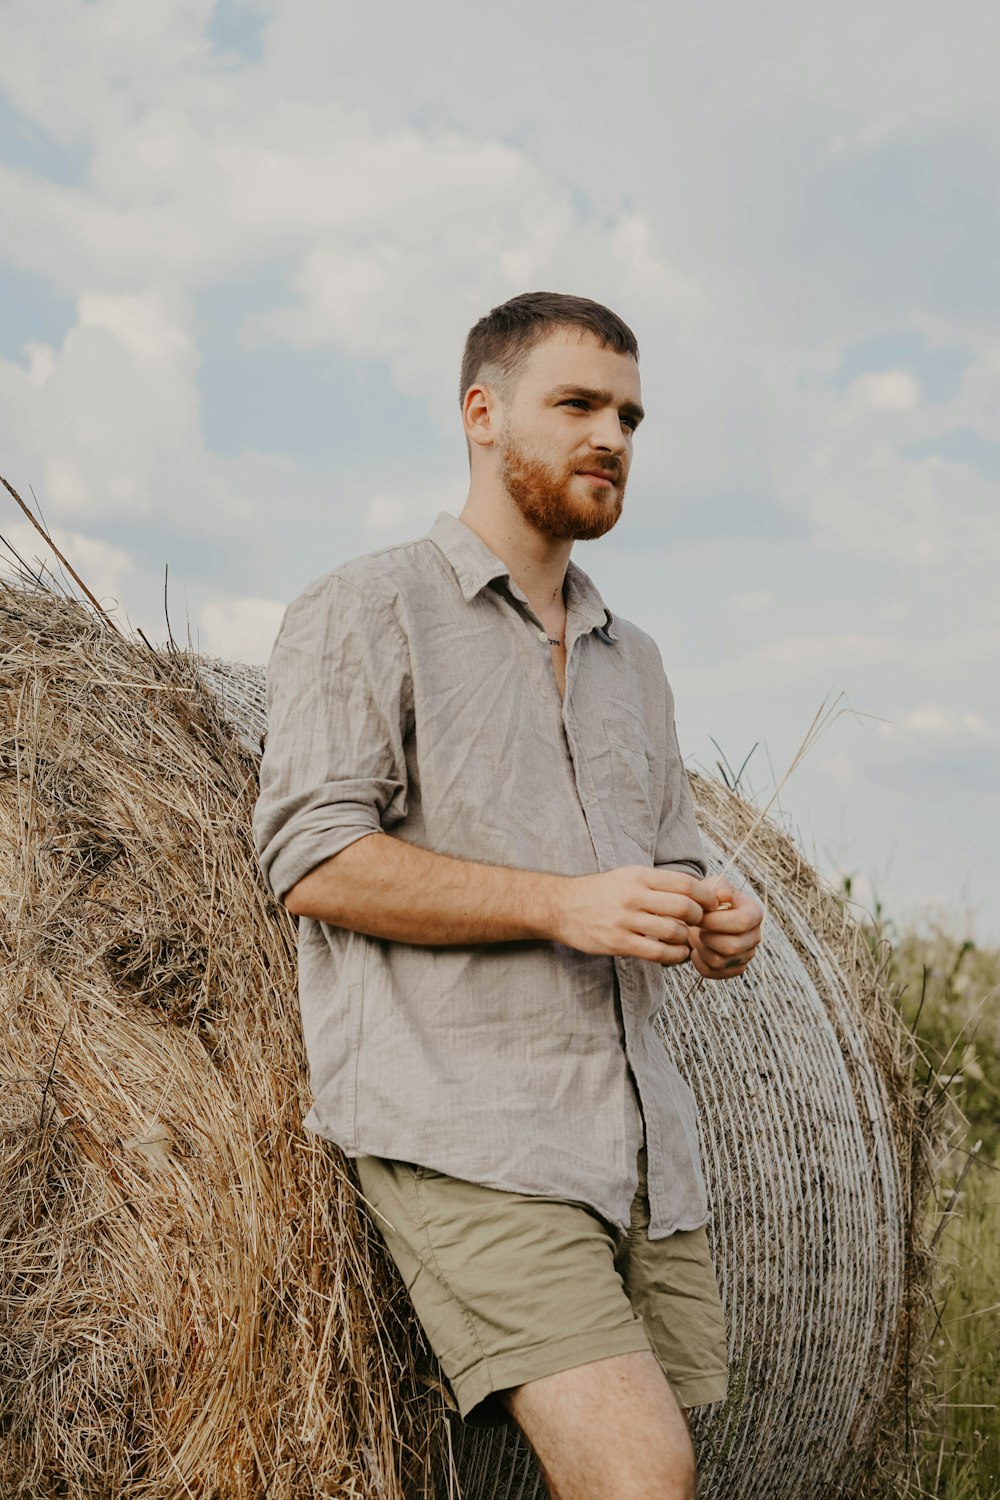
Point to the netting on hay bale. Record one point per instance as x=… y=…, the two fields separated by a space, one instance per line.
x=192 y=1301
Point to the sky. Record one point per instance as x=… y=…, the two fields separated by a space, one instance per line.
x=241 y=245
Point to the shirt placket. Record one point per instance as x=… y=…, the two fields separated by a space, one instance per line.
x=627 y=1001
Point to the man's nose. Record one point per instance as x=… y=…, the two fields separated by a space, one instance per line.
x=606 y=433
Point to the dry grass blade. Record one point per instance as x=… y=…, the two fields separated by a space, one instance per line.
x=43 y=533
x=825 y=715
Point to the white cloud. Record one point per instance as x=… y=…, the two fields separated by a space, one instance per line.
x=866 y=495
x=391 y=242
x=754 y=601
x=141 y=327
x=932 y=722
x=852 y=60
x=827 y=652
x=41 y=360
x=104 y=567
x=239 y=629
x=399 y=513
x=108 y=424
x=873 y=133
x=887 y=390
x=839 y=767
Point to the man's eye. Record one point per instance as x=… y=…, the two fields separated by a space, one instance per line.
x=577 y=401
x=630 y=423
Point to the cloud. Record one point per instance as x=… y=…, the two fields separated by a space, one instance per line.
x=140 y=325
x=106 y=415
x=890 y=390
x=389 y=244
x=936 y=725
x=104 y=567
x=392 y=514
x=239 y=629
x=839 y=767
x=918 y=511
x=826 y=652
x=789 y=210
x=754 y=601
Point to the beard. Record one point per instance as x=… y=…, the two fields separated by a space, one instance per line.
x=541 y=493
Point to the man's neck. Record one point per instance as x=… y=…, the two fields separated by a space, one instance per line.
x=537 y=563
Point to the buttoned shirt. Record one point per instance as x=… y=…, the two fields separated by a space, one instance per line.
x=412 y=691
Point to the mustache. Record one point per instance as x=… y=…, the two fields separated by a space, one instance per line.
x=611 y=467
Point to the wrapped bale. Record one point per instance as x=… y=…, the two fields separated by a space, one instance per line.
x=192 y=1301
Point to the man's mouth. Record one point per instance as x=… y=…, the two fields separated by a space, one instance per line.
x=601 y=475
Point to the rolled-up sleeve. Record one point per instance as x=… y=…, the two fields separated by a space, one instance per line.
x=678 y=841
x=339 y=708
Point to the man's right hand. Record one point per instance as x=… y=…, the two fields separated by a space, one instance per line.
x=633 y=912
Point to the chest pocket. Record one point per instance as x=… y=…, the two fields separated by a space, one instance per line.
x=630 y=775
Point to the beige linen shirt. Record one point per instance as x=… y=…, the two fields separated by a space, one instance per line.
x=411 y=690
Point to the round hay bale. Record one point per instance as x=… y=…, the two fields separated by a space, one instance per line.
x=192 y=1301
x=808 y=1122
x=190 y=1304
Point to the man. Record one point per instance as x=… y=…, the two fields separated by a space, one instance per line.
x=472 y=797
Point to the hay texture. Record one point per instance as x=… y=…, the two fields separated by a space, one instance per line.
x=192 y=1302
x=189 y=1302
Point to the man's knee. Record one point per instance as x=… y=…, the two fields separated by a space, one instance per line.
x=675 y=1477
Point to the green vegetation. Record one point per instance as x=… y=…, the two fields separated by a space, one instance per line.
x=949 y=994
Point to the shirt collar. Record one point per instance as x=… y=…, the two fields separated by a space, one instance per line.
x=475 y=566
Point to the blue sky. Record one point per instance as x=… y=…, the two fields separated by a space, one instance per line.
x=242 y=245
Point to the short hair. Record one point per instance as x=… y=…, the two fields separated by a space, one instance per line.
x=508 y=333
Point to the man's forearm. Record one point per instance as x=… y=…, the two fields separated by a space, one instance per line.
x=387 y=888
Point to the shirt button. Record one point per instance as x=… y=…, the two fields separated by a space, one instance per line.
x=542 y=636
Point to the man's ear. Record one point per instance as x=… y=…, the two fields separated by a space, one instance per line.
x=481 y=415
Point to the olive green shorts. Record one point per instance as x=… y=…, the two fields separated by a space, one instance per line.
x=510 y=1287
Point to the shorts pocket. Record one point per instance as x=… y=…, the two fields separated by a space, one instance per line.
x=630 y=778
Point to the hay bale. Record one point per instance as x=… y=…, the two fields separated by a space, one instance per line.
x=191 y=1302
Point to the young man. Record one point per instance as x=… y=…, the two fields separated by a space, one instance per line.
x=473 y=798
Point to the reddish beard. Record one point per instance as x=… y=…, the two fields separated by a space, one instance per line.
x=541 y=494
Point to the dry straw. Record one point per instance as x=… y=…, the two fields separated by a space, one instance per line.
x=192 y=1302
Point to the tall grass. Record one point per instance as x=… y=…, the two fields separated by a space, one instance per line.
x=949 y=993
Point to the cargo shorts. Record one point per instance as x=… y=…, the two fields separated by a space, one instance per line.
x=510 y=1287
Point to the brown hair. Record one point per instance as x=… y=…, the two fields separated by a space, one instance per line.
x=507 y=333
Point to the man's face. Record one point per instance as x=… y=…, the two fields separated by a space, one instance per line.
x=565 y=440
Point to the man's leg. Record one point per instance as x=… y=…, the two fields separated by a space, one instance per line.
x=608 y=1430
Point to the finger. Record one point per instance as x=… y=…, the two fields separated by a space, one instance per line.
x=670 y=880
x=662 y=929
x=710 y=893
x=724 y=944
x=699 y=889
x=733 y=964
x=717 y=963
x=659 y=953
x=723 y=950
x=669 y=904
x=722 y=969
x=741 y=918
x=727 y=893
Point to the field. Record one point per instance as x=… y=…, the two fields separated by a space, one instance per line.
x=949 y=993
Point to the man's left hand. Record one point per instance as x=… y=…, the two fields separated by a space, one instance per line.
x=726 y=939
